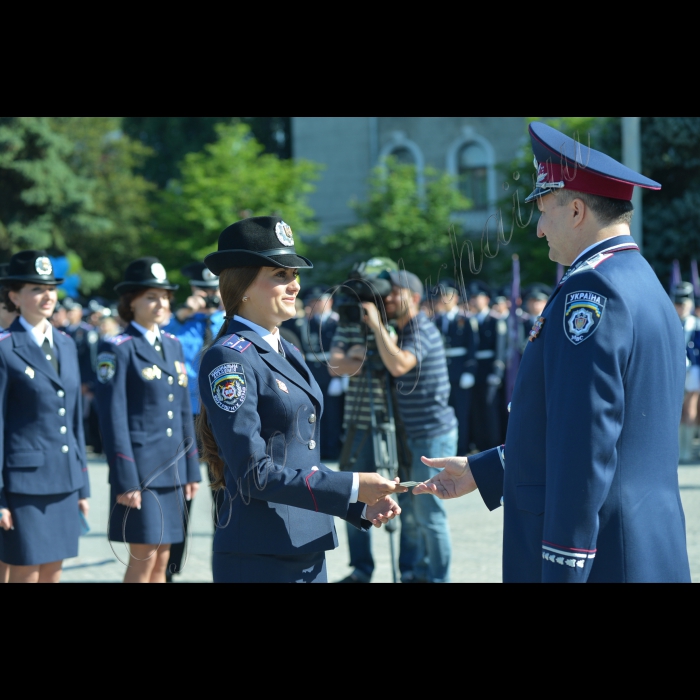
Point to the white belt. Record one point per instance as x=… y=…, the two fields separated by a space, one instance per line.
x=455 y=352
x=485 y=354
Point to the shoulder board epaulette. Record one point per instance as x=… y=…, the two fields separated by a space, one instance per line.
x=236 y=343
x=119 y=339
x=592 y=263
x=5 y=334
x=170 y=335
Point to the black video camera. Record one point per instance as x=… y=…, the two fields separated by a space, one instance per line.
x=358 y=288
x=212 y=301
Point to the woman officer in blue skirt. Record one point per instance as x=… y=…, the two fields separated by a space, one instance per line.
x=44 y=479
x=258 y=426
x=146 y=424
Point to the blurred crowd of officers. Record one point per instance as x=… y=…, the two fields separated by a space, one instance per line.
x=473 y=322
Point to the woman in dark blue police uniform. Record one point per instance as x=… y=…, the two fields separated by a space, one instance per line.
x=259 y=422
x=146 y=424
x=44 y=480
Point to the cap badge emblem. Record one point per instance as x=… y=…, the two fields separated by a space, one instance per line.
x=284 y=233
x=158 y=271
x=43 y=266
x=208 y=275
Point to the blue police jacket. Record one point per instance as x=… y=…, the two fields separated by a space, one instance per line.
x=144 y=411
x=264 y=411
x=190 y=333
x=41 y=422
x=589 y=473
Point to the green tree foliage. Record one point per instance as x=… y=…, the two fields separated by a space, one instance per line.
x=67 y=185
x=227 y=180
x=42 y=200
x=103 y=154
x=172 y=138
x=671 y=216
x=398 y=221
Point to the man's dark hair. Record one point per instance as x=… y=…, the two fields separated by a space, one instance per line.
x=608 y=211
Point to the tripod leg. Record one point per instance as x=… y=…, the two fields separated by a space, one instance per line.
x=392 y=552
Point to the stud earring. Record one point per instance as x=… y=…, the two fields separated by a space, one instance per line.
x=245 y=298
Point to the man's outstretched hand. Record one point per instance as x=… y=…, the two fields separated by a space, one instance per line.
x=453 y=481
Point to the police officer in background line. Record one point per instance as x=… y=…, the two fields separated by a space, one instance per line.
x=43 y=468
x=684 y=301
x=316 y=333
x=147 y=427
x=459 y=333
x=194 y=324
x=491 y=355
x=588 y=477
x=534 y=300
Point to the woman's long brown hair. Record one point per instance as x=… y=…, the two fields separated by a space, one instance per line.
x=233 y=283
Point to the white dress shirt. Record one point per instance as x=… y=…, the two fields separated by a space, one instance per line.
x=38 y=333
x=273 y=340
x=151 y=336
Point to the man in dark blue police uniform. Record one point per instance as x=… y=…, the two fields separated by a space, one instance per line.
x=491 y=355
x=459 y=333
x=590 y=485
x=316 y=333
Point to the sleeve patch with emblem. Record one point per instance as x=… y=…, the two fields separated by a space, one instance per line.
x=106 y=366
x=228 y=386
x=583 y=312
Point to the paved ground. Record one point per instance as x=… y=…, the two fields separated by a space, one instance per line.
x=476 y=538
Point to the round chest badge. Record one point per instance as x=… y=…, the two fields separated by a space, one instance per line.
x=43 y=266
x=158 y=271
x=284 y=233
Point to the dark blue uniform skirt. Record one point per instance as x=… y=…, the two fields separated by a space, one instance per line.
x=228 y=567
x=160 y=520
x=47 y=528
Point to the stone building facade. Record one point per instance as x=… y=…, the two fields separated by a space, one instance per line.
x=470 y=148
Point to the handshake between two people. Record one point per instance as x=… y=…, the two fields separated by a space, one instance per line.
x=452 y=481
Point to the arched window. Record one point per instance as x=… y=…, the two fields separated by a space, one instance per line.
x=471 y=160
x=405 y=152
x=472 y=174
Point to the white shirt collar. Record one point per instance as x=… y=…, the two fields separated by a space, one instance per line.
x=272 y=339
x=590 y=247
x=38 y=333
x=151 y=336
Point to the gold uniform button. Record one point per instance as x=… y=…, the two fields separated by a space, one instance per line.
x=60 y=393
x=64 y=449
x=169 y=432
x=312 y=445
x=170 y=415
x=63 y=430
x=61 y=411
x=171 y=397
x=312 y=418
x=170 y=380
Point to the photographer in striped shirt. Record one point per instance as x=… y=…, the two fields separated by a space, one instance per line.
x=416 y=359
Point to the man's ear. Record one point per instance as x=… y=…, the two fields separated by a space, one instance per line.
x=578 y=211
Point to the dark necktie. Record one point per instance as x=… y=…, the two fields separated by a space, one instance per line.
x=50 y=356
x=208 y=335
x=158 y=347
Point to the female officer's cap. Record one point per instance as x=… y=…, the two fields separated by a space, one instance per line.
x=31 y=266
x=145 y=273
x=261 y=241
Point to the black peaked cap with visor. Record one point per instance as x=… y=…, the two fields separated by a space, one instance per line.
x=145 y=273
x=261 y=241
x=31 y=266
